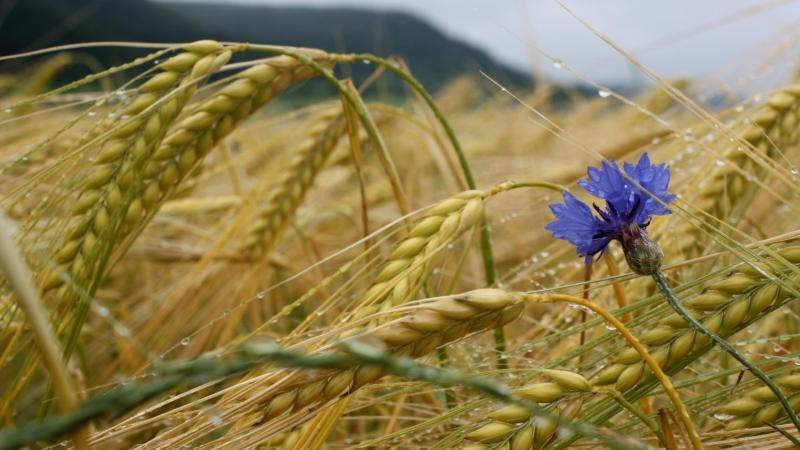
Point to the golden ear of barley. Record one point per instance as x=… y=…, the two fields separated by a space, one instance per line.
x=517 y=427
x=723 y=307
x=421 y=249
x=284 y=195
x=772 y=129
x=121 y=157
x=210 y=122
x=759 y=406
x=417 y=334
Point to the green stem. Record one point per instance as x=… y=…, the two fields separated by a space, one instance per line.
x=208 y=369
x=663 y=285
x=449 y=398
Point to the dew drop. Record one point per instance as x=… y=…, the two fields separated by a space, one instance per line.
x=719 y=163
x=216 y=420
x=7 y=110
x=795 y=171
x=723 y=417
x=185 y=342
x=603 y=93
x=739 y=108
x=564 y=433
x=260 y=296
x=558 y=64
x=540 y=421
x=92 y=113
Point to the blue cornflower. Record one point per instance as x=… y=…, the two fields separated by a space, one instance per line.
x=626 y=215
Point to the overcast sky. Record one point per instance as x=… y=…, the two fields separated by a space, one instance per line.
x=721 y=39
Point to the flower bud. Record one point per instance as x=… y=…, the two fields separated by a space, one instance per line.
x=644 y=256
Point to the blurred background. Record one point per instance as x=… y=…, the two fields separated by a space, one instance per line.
x=519 y=42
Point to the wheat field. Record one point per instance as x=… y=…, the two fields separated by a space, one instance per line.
x=190 y=262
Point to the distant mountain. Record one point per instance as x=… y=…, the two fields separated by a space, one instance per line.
x=433 y=57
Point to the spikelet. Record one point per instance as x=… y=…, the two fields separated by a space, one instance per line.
x=284 y=195
x=723 y=307
x=420 y=250
x=518 y=427
x=759 y=406
x=118 y=164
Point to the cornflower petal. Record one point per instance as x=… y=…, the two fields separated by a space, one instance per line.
x=576 y=224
